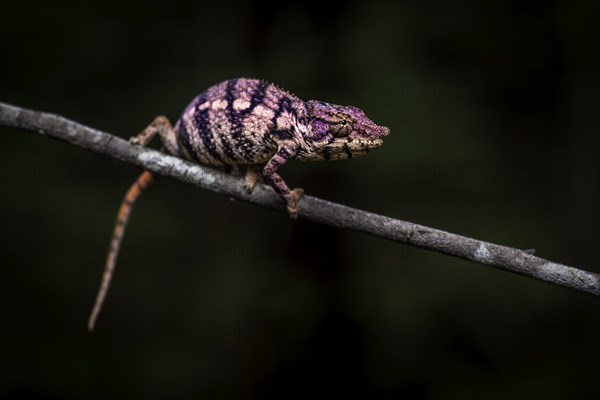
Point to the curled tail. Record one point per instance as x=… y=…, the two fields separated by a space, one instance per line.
x=131 y=196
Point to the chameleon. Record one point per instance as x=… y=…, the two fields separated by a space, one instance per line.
x=252 y=123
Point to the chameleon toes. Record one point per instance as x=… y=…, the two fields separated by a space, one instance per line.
x=297 y=193
x=249 y=187
x=251 y=178
x=292 y=211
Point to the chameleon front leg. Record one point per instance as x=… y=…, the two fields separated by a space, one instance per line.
x=285 y=152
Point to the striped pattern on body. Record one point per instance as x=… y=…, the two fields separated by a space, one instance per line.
x=236 y=122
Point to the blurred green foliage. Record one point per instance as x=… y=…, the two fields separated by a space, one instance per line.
x=493 y=108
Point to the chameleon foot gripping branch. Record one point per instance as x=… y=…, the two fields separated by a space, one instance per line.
x=254 y=123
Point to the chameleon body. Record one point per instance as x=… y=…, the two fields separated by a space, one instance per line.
x=254 y=123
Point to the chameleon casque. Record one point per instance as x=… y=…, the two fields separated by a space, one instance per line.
x=254 y=123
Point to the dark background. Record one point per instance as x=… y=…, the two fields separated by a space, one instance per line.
x=493 y=109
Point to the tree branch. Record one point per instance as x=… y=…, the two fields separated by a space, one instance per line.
x=312 y=208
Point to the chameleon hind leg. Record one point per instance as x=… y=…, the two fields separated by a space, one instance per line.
x=163 y=127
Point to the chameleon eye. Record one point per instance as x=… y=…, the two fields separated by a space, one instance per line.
x=341 y=128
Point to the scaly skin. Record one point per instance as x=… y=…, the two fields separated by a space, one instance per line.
x=251 y=122
x=254 y=123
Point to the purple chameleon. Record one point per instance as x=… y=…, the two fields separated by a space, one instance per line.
x=254 y=123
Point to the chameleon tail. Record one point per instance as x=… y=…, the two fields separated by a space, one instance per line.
x=131 y=196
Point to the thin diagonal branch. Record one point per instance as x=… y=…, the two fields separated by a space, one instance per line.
x=312 y=208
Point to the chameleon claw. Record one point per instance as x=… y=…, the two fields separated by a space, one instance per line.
x=293 y=213
x=297 y=193
x=248 y=187
x=252 y=174
x=292 y=202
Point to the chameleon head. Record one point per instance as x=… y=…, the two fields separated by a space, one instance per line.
x=338 y=132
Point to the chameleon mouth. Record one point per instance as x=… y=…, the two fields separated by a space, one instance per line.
x=342 y=149
x=360 y=142
x=360 y=145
